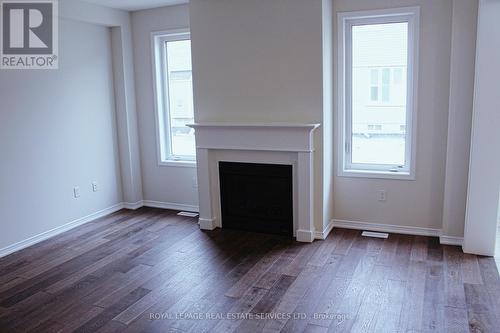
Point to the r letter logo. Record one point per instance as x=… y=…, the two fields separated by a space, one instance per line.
x=29 y=34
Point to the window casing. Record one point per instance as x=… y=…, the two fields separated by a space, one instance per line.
x=174 y=97
x=377 y=93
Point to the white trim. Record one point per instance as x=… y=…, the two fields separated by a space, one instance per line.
x=304 y=236
x=450 y=240
x=160 y=100
x=309 y=126
x=206 y=224
x=170 y=205
x=345 y=20
x=376 y=174
x=58 y=230
x=282 y=137
x=390 y=228
x=178 y=164
x=132 y=205
x=91 y=217
x=283 y=143
x=324 y=234
x=397 y=229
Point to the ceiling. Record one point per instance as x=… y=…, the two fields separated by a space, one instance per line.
x=136 y=4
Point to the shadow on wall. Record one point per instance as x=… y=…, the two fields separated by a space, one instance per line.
x=497 y=250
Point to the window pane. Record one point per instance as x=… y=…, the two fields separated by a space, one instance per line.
x=386 y=78
x=374 y=93
x=374 y=77
x=398 y=76
x=379 y=47
x=180 y=96
x=374 y=85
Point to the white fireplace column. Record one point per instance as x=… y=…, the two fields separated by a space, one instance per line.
x=246 y=139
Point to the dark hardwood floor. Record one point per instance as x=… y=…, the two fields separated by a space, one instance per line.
x=153 y=271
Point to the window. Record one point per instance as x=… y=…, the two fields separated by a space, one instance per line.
x=174 y=97
x=382 y=83
x=386 y=78
x=375 y=127
x=377 y=89
x=374 y=87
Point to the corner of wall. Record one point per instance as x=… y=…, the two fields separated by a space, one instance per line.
x=327 y=32
x=462 y=60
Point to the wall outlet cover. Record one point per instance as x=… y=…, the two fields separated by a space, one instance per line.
x=382 y=195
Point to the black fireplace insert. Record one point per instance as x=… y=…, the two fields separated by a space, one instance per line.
x=257 y=197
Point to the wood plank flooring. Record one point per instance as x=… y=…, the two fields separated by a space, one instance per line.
x=153 y=271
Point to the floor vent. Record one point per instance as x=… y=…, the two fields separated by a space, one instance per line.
x=375 y=234
x=188 y=214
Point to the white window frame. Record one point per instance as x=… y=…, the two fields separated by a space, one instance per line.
x=345 y=21
x=160 y=84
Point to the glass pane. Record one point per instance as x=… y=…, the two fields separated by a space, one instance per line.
x=374 y=77
x=386 y=79
x=398 y=76
x=379 y=47
x=180 y=94
x=386 y=76
x=374 y=93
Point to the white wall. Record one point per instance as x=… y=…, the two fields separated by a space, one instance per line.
x=165 y=184
x=269 y=61
x=328 y=112
x=484 y=169
x=124 y=88
x=463 y=53
x=260 y=61
x=57 y=131
x=416 y=203
x=253 y=60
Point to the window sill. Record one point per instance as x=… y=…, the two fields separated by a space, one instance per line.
x=377 y=174
x=181 y=164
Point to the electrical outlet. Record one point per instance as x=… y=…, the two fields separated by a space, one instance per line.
x=382 y=195
x=195 y=182
x=76 y=192
x=95 y=187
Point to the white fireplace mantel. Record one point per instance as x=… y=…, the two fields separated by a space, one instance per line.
x=261 y=143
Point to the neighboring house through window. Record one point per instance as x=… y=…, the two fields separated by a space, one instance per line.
x=377 y=90
x=174 y=96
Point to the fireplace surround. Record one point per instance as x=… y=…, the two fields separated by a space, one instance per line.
x=264 y=143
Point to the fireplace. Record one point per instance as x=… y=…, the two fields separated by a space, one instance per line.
x=283 y=146
x=256 y=197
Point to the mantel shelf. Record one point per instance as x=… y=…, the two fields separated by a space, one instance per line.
x=255 y=125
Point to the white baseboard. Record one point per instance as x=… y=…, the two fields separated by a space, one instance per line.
x=304 y=236
x=450 y=240
x=56 y=231
x=133 y=205
x=323 y=234
x=206 y=224
x=89 y=218
x=390 y=228
x=170 y=205
x=209 y=224
x=160 y=204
